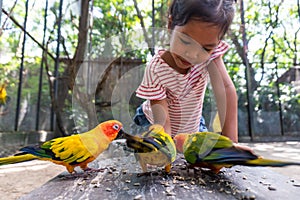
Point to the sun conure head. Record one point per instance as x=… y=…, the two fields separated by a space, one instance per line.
x=111 y=128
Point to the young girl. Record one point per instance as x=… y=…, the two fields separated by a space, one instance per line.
x=175 y=80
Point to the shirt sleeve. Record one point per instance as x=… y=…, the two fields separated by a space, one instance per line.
x=220 y=50
x=151 y=87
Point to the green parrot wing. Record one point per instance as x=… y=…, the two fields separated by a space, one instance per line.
x=230 y=155
x=152 y=141
x=199 y=145
x=166 y=144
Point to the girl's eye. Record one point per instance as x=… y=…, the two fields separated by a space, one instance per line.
x=206 y=49
x=184 y=41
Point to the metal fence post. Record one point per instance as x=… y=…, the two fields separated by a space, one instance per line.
x=55 y=84
x=247 y=73
x=0 y=10
x=21 y=70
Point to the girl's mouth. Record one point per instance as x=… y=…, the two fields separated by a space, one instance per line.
x=184 y=61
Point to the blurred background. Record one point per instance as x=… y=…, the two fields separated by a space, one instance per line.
x=66 y=65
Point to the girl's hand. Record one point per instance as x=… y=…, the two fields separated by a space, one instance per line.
x=243 y=148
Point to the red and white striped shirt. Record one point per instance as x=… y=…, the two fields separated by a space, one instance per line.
x=183 y=92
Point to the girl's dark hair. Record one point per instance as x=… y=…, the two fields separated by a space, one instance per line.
x=216 y=12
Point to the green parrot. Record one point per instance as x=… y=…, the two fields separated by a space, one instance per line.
x=214 y=151
x=154 y=147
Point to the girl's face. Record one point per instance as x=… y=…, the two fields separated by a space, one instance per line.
x=193 y=43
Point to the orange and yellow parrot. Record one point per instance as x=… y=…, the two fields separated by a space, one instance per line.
x=3 y=94
x=214 y=151
x=154 y=147
x=71 y=151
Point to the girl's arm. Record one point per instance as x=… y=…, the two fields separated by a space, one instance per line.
x=161 y=114
x=226 y=98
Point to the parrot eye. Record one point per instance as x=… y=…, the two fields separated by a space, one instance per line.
x=116 y=126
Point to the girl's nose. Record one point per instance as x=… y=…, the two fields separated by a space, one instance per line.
x=192 y=54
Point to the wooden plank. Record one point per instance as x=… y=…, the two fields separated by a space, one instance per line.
x=121 y=180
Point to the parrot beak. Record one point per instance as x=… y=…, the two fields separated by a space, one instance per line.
x=121 y=134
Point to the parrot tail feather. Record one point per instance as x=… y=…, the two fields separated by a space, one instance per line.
x=270 y=163
x=36 y=151
x=17 y=159
x=141 y=144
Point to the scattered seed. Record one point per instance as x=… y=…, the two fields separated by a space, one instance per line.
x=271 y=188
x=166 y=184
x=201 y=181
x=126 y=188
x=238 y=171
x=227 y=191
x=182 y=185
x=127 y=181
x=108 y=189
x=138 y=197
x=263 y=183
x=171 y=194
x=96 y=185
x=296 y=185
x=81 y=183
x=180 y=178
x=238 y=191
x=252 y=197
x=113 y=169
x=244 y=177
x=94 y=182
x=186 y=187
x=136 y=184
